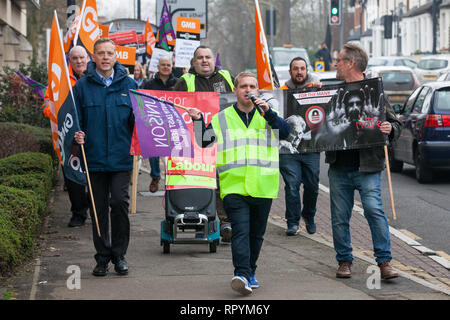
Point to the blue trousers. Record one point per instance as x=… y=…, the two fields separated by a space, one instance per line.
x=248 y=218
x=155 y=170
x=343 y=184
x=297 y=169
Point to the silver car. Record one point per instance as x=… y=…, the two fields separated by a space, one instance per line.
x=430 y=68
x=398 y=82
x=392 y=61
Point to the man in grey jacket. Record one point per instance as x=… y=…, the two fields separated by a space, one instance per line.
x=359 y=169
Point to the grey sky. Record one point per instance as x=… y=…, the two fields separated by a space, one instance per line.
x=114 y=9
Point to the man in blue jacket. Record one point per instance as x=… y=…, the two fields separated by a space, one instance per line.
x=106 y=122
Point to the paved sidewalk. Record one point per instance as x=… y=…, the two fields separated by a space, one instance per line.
x=290 y=268
x=406 y=258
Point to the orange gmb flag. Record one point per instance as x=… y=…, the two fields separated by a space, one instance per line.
x=149 y=38
x=265 y=80
x=70 y=34
x=62 y=107
x=88 y=31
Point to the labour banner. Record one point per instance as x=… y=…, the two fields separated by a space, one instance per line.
x=340 y=117
x=62 y=107
x=198 y=170
x=188 y=39
x=88 y=30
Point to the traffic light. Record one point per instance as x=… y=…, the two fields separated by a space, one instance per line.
x=335 y=12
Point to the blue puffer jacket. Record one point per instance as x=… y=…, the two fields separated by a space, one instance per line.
x=106 y=117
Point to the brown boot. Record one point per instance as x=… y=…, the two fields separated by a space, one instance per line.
x=387 y=272
x=154 y=184
x=344 y=270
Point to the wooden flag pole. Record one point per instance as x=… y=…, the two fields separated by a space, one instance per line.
x=90 y=190
x=388 y=168
x=134 y=182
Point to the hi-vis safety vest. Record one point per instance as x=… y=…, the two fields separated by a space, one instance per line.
x=190 y=80
x=247 y=157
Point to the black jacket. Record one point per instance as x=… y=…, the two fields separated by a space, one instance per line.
x=155 y=83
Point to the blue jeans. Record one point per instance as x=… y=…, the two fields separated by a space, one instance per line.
x=297 y=169
x=343 y=183
x=248 y=218
x=155 y=170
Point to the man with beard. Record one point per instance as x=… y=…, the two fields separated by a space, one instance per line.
x=300 y=77
x=297 y=168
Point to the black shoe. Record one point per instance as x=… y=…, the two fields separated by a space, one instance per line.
x=121 y=267
x=76 y=221
x=100 y=270
x=310 y=225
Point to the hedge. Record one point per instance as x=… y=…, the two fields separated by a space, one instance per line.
x=19 y=220
x=26 y=162
x=25 y=184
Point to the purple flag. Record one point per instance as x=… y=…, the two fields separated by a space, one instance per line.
x=218 y=64
x=161 y=129
x=166 y=32
x=37 y=87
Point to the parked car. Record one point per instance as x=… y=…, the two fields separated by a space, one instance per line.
x=444 y=77
x=392 y=61
x=398 y=82
x=425 y=138
x=430 y=68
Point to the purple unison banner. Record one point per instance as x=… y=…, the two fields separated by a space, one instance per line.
x=161 y=129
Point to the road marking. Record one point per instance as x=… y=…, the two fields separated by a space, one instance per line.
x=410 y=234
x=442 y=261
x=37 y=269
x=424 y=250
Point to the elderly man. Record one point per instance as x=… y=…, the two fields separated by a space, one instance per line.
x=359 y=169
x=106 y=123
x=205 y=76
x=78 y=59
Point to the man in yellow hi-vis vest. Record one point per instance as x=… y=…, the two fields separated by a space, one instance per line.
x=247 y=163
x=203 y=76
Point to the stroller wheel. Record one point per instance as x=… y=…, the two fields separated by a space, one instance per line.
x=166 y=247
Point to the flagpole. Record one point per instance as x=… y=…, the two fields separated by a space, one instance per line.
x=386 y=155
x=82 y=146
x=90 y=191
x=134 y=183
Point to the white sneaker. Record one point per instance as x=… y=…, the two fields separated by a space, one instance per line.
x=240 y=284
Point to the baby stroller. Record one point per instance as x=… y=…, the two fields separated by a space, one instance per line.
x=190 y=218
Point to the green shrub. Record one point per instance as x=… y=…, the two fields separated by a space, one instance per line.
x=9 y=244
x=39 y=183
x=20 y=219
x=28 y=162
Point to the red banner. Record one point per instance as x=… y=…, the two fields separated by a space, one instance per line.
x=199 y=171
x=124 y=37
